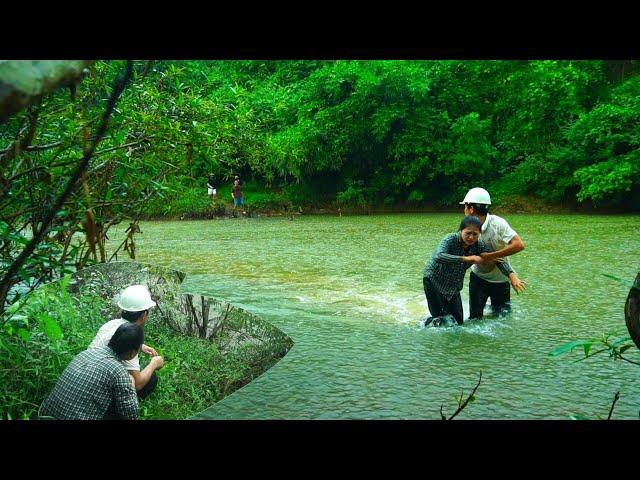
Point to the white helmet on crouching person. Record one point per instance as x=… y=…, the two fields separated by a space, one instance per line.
x=135 y=298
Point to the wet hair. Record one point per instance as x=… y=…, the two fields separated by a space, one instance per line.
x=479 y=208
x=127 y=337
x=470 y=221
x=132 y=316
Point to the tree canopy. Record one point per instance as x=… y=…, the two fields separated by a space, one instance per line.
x=396 y=131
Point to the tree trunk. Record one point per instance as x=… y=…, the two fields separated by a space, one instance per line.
x=632 y=312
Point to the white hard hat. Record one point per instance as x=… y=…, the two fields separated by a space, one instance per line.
x=135 y=299
x=477 y=195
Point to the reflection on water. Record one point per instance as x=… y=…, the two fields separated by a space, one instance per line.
x=348 y=291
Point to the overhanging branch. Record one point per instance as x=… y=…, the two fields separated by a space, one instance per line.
x=23 y=81
x=5 y=283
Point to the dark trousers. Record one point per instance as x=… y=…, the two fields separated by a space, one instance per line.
x=145 y=391
x=439 y=305
x=480 y=291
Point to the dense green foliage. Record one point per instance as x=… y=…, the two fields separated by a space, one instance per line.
x=39 y=340
x=363 y=131
x=39 y=337
x=374 y=132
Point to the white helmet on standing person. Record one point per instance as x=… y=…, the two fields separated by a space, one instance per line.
x=135 y=298
x=477 y=195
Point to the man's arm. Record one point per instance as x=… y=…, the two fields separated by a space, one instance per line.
x=517 y=284
x=504 y=267
x=148 y=350
x=141 y=378
x=515 y=245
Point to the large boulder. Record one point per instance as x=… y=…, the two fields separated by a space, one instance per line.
x=233 y=330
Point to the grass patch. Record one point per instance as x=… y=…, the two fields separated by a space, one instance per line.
x=187 y=202
x=194 y=377
x=194 y=203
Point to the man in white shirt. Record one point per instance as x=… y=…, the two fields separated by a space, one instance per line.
x=490 y=282
x=135 y=302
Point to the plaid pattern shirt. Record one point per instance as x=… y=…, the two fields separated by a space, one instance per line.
x=446 y=269
x=94 y=380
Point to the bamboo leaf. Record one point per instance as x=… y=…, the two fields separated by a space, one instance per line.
x=620 y=340
x=626 y=283
x=568 y=347
x=577 y=416
x=24 y=334
x=593 y=354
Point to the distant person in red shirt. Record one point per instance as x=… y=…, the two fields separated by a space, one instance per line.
x=236 y=193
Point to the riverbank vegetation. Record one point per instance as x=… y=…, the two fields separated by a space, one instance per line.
x=375 y=133
x=355 y=133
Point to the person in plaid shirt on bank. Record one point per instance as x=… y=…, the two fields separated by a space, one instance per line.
x=444 y=273
x=96 y=384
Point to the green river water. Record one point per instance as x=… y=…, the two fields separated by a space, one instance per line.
x=348 y=291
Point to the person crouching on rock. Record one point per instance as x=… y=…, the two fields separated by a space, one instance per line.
x=135 y=302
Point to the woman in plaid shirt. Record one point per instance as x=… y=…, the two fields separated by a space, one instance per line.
x=444 y=274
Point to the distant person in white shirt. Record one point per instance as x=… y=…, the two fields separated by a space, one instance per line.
x=135 y=302
x=490 y=282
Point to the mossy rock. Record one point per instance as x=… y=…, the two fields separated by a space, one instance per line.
x=234 y=331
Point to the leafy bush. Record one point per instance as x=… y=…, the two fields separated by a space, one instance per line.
x=354 y=194
x=301 y=194
x=267 y=201
x=186 y=203
x=38 y=339
x=608 y=139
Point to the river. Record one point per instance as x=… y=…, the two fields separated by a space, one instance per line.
x=348 y=291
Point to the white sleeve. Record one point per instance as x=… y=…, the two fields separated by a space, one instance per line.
x=506 y=232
